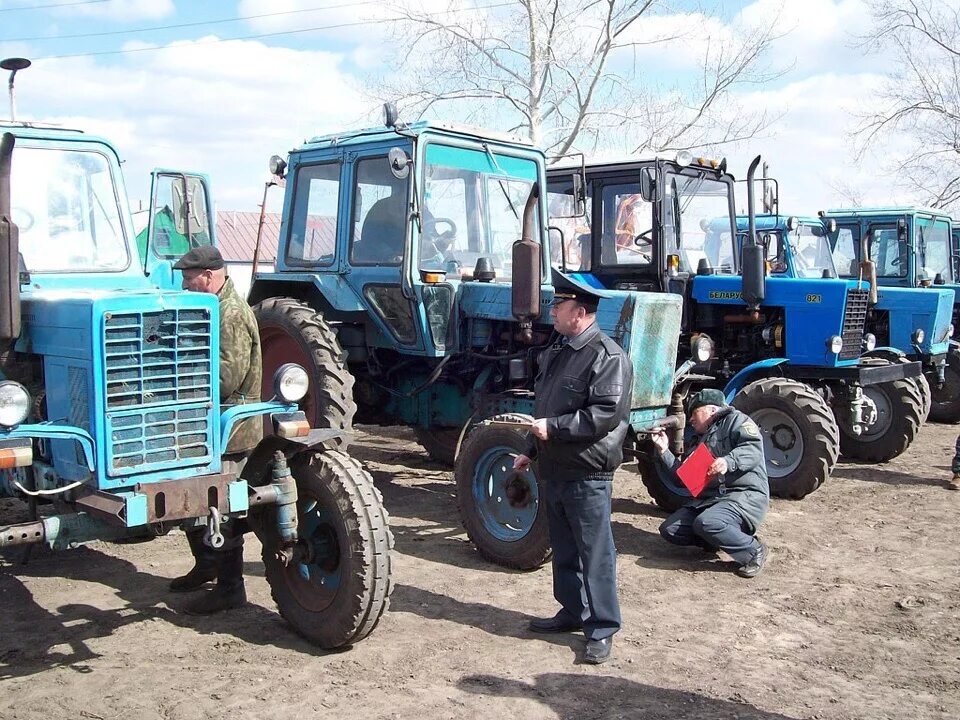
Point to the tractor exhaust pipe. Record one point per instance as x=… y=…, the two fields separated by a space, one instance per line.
x=527 y=278
x=9 y=250
x=753 y=275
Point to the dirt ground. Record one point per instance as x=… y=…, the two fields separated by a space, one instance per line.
x=857 y=615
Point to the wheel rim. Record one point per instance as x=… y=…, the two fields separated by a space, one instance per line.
x=278 y=348
x=782 y=441
x=506 y=501
x=315 y=574
x=884 y=414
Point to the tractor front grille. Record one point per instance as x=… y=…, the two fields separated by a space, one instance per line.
x=854 y=317
x=158 y=368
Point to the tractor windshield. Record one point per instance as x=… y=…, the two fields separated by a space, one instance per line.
x=811 y=253
x=473 y=207
x=698 y=222
x=67 y=209
x=933 y=245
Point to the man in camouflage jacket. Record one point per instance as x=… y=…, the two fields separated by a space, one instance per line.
x=241 y=370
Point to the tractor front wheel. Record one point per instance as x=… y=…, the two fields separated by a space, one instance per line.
x=504 y=512
x=800 y=436
x=338 y=584
x=667 y=492
x=899 y=417
x=946 y=398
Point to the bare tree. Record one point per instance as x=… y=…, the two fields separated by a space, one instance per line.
x=919 y=106
x=569 y=73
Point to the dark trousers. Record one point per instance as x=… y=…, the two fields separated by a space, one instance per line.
x=584 y=557
x=228 y=560
x=719 y=526
x=955 y=465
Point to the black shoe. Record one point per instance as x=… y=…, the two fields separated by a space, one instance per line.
x=559 y=623
x=199 y=576
x=752 y=567
x=598 y=651
x=217 y=600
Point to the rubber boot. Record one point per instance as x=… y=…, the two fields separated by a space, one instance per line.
x=204 y=564
x=229 y=592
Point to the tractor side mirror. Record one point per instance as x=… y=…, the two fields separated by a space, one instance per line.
x=400 y=163
x=648 y=184
x=579 y=194
x=902 y=230
x=792 y=223
x=189 y=198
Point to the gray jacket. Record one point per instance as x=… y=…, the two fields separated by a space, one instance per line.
x=735 y=437
x=583 y=388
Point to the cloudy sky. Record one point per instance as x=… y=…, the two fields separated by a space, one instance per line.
x=221 y=85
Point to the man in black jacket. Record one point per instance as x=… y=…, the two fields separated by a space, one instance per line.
x=581 y=412
x=732 y=505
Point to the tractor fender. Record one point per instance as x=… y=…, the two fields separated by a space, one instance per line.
x=746 y=376
x=257 y=469
x=888 y=353
x=238 y=413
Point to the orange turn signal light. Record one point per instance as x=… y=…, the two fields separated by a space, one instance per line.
x=15 y=457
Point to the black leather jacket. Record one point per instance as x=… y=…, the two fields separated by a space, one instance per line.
x=583 y=388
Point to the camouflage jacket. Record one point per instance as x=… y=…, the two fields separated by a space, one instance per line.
x=241 y=366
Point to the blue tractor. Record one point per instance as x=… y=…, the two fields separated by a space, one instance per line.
x=109 y=397
x=413 y=282
x=786 y=351
x=912 y=323
x=906 y=247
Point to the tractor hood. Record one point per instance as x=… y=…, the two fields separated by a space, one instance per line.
x=919 y=308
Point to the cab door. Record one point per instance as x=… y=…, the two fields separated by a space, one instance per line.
x=181 y=218
x=377 y=258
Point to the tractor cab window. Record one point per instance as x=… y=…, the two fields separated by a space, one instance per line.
x=626 y=236
x=66 y=206
x=933 y=249
x=845 y=255
x=889 y=252
x=472 y=207
x=380 y=213
x=810 y=250
x=575 y=228
x=313 y=225
x=698 y=223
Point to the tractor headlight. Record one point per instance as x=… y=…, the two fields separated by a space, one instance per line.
x=918 y=336
x=835 y=343
x=869 y=341
x=684 y=157
x=290 y=382
x=950 y=330
x=14 y=403
x=701 y=348
x=277 y=165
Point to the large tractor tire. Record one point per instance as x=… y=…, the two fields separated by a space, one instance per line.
x=899 y=417
x=946 y=399
x=504 y=512
x=291 y=331
x=338 y=586
x=666 y=491
x=440 y=443
x=926 y=396
x=801 y=440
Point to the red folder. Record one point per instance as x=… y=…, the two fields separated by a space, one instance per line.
x=693 y=471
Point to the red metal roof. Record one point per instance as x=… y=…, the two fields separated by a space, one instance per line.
x=237 y=235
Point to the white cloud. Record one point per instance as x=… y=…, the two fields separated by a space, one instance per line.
x=223 y=108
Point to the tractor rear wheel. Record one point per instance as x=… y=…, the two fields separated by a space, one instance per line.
x=946 y=398
x=899 y=417
x=504 y=512
x=338 y=584
x=291 y=331
x=440 y=443
x=800 y=436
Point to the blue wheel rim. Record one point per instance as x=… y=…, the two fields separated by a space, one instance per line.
x=315 y=583
x=506 y=519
